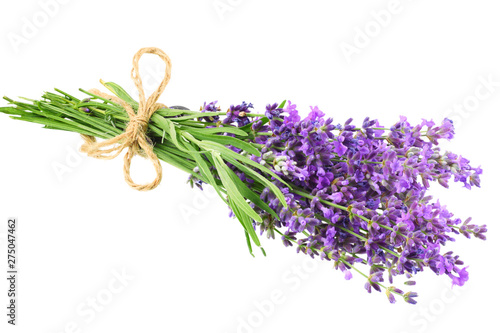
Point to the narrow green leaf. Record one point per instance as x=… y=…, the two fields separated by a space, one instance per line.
x=248 y=127
x=66 y=94
x=84 y=118
x=229 y=140
x=13 y=111
x=99 y=97
x=194 y=115
x=249 y=243
x=44 y=116
x=225 y=129
x=120 y=93
x=169 y=127
x=228 y=153
x=204 y=169
x=232 y=189
x=252 y=196
x=259 y=178
x=166 y=112
x=174 y=160
x=245 y=221
x=53 y=124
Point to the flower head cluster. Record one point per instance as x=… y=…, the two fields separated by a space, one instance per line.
x=210 y=107
x=358 y=195
x=238 y=114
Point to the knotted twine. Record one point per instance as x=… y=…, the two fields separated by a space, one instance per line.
x=134 y=137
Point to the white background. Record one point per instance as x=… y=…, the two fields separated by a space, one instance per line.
x=187 y=263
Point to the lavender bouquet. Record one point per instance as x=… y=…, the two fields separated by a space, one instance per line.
x=352 y=195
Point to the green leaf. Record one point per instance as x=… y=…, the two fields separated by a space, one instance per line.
x=232 y=189
x=166 y=112
x=248 y=127
x=85 y=119
x=245 y=221
x=44 y=119
x=193 y=115
x=282 y=105
x=108 y=108
x=228 y=153
x=169 y=127
x=13 y=111
x=225 y=129
x=251 y=195
x=229 y=140
x=120 y=93
x=173 y=160
x=204 y=169
x=108 y=101
x=66 y=94
x=259 y=178
x=53 y=124
x=249 y=243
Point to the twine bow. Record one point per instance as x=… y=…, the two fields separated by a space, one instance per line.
x=134 y=136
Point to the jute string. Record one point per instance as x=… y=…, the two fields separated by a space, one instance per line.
x=134 y=136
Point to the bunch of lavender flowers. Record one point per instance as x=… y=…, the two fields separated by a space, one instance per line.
x=358 y=194
x=351 y=195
